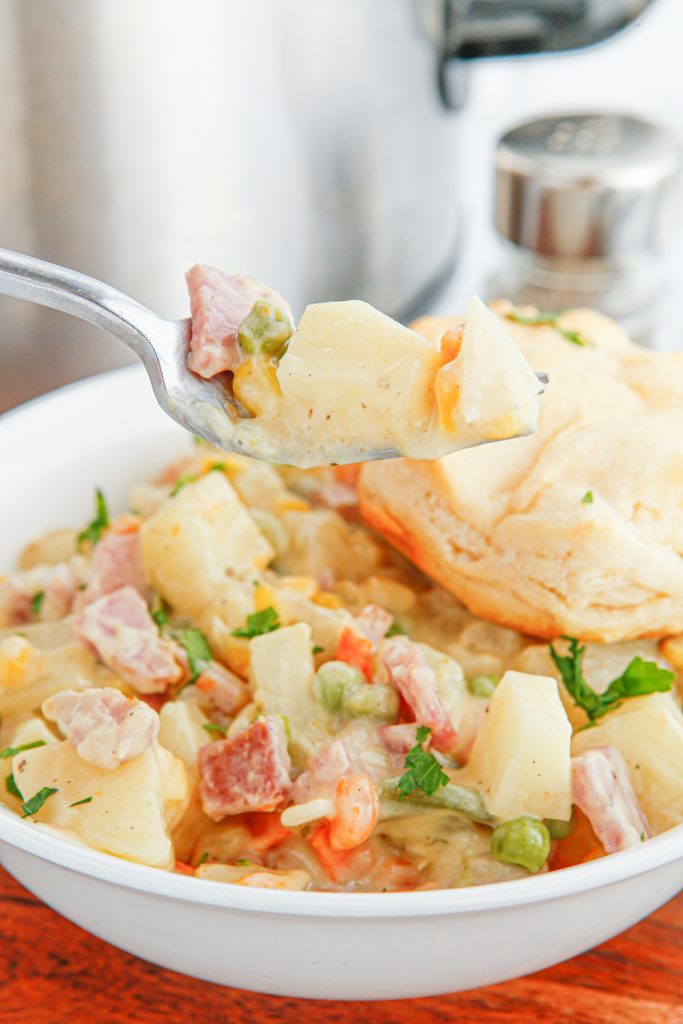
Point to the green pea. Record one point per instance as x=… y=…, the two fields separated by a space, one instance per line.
x=559 y=829
x=483 y=686
x=332 y=680
x=523 y=841
x=265 y=329
x=371 y=700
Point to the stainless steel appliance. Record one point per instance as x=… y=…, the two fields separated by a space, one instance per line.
x=587 y=206
x=312 y=143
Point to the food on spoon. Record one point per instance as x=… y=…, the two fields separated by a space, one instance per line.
x=507 y=529
x=349 y=382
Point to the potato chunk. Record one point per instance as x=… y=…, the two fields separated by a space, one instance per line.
x=520 y=758
x=33 y=730
x=196 y=540
x=648 y=733
x=282 y=673
x=132 y=809
x=182 y=731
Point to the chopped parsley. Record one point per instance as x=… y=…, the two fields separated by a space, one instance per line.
x=587 y=498
x=37 y=603
x=189 y=478
x=638 y=678
x=182 y=481
x=197 y=649
x=77 y=803
x=258 y=623
x=204 y=857
x=243 y=862
x=395 y=629
x=423 y=771
x=11 y=786
x=95 y=528
x=549 y=320
x=11 y=751
x=215 y=727
x=33 y=805
x=317 y=649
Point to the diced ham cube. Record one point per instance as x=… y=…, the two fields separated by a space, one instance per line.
x=116 y=563
x=602 y=789
x=61 y=590
x=15 y=605
x=104 y=727
x=222 y=688
x=416 y=682
x=246 y=772
x=219 y=303
x=58 y=583
x=126 y=638
x=373 y=622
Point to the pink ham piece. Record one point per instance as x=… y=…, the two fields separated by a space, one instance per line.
x=61 y=590
x=59 y=584
x=116 y=563
x=104 y=727
x=246 y=772
x=126 y=638
x=15 y=605
x=602 y=789
x=416 y=682
x=373 y=622
x=222 y=688
x=219 y=303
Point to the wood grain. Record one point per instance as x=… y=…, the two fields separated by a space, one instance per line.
x=52 y=972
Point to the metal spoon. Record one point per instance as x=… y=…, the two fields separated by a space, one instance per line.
x=207 y=408
x=162 y=345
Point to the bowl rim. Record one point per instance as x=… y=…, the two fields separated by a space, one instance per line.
x=41 y=842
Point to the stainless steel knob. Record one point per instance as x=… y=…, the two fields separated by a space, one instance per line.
x=588 y=191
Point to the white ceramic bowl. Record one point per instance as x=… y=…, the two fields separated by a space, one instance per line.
x=108 y=431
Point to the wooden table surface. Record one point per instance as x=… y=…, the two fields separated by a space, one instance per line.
x=52 y=972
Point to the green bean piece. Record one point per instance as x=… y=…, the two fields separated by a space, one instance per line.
x=451 y=797
x=266 y=329
x=483 y=686
x=371 y=700
x=331 y=682
x=523 y=841
x=559 y=829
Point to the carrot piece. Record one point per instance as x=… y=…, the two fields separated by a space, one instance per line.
x=336 y=863
x=355 y=650
x=266 y=829
x=579 y=846
x=347 y=474
x=183 y=869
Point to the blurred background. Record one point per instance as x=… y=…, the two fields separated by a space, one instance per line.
x=337 y=149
